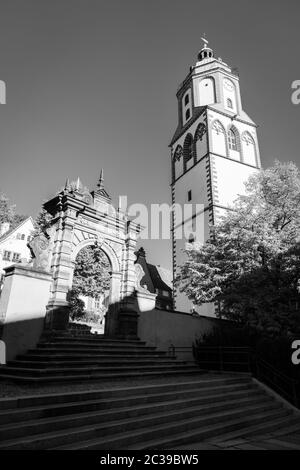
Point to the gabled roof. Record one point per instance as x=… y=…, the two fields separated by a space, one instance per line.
x=181 y=129
x=15 y=229
x=161 y=278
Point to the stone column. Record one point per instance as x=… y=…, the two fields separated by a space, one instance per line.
x=128 y=316
x=58 y=307
x=111 y=317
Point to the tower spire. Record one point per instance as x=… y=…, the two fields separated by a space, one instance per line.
x=100 y=191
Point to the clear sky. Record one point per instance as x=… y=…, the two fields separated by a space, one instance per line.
x=92 y=83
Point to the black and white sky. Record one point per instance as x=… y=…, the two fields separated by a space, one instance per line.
x=92 y=83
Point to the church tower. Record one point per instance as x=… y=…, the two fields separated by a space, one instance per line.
x=213 y=152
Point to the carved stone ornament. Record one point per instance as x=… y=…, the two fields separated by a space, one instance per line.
x=201 y=130
x=41 y=250
x=140 y=273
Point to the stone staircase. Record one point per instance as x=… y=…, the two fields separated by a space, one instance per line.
x=148 y=416
x=78 y=356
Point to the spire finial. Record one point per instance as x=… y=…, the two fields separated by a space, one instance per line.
x=205 y=41
x=100 y=184
x=206 y=51
x=67 y=185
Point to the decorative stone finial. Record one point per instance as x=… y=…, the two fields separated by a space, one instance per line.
x=100 y=184
x=67 y=185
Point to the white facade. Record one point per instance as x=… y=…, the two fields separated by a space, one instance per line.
x=214 y=151
x=13 y=243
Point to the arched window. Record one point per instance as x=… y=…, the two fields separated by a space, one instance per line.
x=219 y=139
x=177 y=164
x=200 y=142
x=232 y=140
x=249 y=149
x=200 y=131
x=206 y=91
x=229 y=103
x=187 y=150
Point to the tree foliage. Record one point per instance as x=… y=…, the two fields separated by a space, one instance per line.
x=251 y=264
x=8 y=212
x=42 y=221
x=92 y=272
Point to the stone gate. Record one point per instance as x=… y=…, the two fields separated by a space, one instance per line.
x=81 y=218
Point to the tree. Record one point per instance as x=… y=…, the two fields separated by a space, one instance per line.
x=8 y=212
x=251 y=264
x=42 y=221
x=92 y=272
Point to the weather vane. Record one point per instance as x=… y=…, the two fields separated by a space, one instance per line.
x=204 y=40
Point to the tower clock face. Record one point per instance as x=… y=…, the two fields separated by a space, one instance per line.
x=228 y=85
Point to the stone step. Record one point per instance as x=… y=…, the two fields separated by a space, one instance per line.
x=206 y=427
x=159 y=423
x=94 y=376
x=189 y=407
x=36 y=409
x=262 y=428
x=98 y=350
x=7 y=370
x=86 y=357
x=270 y=420
x=202 y=384
x=94 y=339
x=107 y=362
x=94 y=345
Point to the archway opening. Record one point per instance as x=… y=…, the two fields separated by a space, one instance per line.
x=89 y=296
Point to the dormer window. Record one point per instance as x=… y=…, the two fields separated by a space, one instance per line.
x=186 y=100
x=187 y=114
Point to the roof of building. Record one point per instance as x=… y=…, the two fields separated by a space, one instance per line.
x=181 y=129
x=161 y=277
x=14 y=229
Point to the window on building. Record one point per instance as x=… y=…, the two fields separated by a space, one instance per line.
x=190 y=195
x=191 y=238
x=188 y=148
x=229 y=103
x=186 y=99
x=16 y=257
x=29 y=238
x=23 y=236
x=232 y=140
x=187 y=114
x=18 y=236
x=6 y=255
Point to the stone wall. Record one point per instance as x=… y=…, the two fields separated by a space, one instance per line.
x=163 y=328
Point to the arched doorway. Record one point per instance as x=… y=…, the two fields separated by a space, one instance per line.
x=89 y=296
